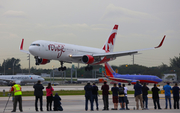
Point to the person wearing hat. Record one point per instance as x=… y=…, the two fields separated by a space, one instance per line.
x=16 y=88
x=105 y=93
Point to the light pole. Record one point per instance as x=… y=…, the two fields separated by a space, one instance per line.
x=13 y=66
x=29 y=62
x=4 y=66
x=53 y=75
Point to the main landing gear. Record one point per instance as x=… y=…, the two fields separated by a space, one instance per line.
x=88 y=68
x=62 y=68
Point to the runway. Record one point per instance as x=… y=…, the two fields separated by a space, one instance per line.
x=76 y=104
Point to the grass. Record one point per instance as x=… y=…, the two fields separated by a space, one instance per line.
x=63 y=92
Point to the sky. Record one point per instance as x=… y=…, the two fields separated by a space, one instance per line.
x=142 y=24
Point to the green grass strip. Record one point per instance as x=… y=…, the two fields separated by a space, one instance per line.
x=63 y=92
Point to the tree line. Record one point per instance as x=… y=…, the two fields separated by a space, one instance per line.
x=12 y=66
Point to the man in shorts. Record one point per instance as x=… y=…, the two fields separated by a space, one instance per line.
x=115 y=91
x=121 y=97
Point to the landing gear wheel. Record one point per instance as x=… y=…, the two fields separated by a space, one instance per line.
x=62 y=68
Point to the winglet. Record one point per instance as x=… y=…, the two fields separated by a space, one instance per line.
x=21 y=47
x=161 y=42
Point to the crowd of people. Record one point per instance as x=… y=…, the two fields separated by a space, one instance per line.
x=119 y=95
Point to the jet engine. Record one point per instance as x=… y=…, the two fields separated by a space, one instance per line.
x=87 y=59
x=41 y=61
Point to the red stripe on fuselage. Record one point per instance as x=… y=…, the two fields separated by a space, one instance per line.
x=141 y=81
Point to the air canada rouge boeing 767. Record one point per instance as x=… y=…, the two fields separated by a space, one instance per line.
x=44 y=51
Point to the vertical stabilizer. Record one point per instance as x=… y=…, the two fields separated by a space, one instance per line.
x=109 y=45
x=109 y=70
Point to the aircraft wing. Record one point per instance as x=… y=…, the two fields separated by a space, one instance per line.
x=4 y=79
x=121 y=53
x=8 y=80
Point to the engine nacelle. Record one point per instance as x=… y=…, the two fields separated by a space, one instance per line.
x=88 y=59
x=42 y=61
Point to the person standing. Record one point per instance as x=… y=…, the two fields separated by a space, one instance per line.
x=115 y=91
x=105 y=93
x=155 y=96
x=138 y=95
x=88 y=96
x=38 y=92
x=49 y=97
x=167 y=89
x=121 y=97
x=175 y=90
x=95 y=95
x=145 y=97
x=16 y=88
x=125 y=97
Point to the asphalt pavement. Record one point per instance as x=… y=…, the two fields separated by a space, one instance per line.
x=76 y=104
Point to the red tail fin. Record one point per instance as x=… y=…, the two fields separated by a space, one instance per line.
x=109 y=45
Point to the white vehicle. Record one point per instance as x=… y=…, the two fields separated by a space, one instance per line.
x=44 y=51
x=21 y=79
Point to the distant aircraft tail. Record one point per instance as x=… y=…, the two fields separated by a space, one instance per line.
x=109 y=70
x=109 y=45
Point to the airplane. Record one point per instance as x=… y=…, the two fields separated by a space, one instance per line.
x=20 y=79
x=131 y=79
x=44 y=51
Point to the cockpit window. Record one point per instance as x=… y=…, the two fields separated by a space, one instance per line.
x=35 y=44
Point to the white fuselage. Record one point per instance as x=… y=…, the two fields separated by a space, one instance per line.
x=22 y=78
x=60 y=51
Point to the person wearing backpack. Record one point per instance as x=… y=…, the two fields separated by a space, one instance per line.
x=121 y=97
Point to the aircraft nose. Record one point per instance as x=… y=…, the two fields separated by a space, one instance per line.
x=33 y=50
x=42 y=79
x=159 y=80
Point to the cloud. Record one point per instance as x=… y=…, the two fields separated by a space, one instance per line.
x=123 y=14
x=15 y=14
